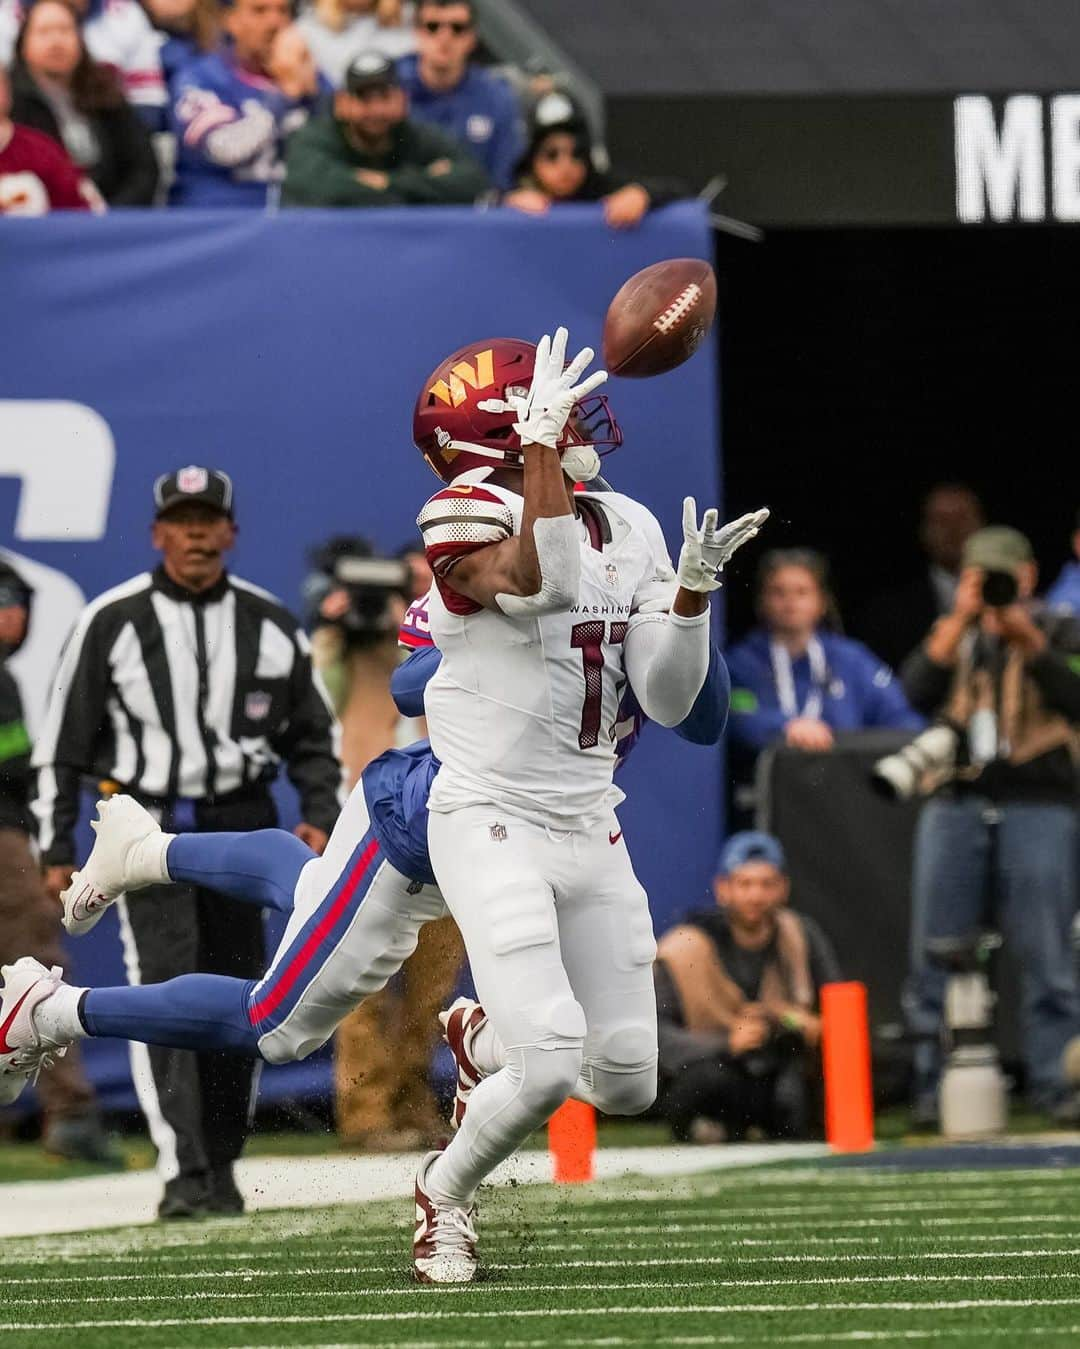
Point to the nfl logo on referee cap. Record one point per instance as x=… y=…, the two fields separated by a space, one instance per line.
x=191 y=480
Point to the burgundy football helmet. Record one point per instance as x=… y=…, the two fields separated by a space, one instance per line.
x=461 y=420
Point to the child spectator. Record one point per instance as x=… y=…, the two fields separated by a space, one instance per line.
x=36 y=174
x=59 y=90
x=448 y=89
x=187 y=29
x=794 y=680
x=339 y=30
x=737 y=990
x=558 y=167
x=118 y=34
x=234 y=108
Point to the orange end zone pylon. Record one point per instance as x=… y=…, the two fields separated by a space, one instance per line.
x=572 y=1140
x=845 y=1050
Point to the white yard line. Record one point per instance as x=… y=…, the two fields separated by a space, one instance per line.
x=30 y=1208
x=497 y=1290
x=705 y=1309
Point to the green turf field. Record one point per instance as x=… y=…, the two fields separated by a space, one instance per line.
x=773 y=1256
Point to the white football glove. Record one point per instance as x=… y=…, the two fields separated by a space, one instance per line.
x=705 y=551
x=543 y=412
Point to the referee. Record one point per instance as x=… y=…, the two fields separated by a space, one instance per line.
x=186 y=687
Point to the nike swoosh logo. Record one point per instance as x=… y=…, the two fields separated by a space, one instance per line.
x=85 y=907
x=5 y=1048
x=614 y=838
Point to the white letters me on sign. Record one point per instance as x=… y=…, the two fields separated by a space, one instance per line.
x=64 y=456
x=1001 y=169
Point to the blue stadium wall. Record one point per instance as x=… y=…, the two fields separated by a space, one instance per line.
x=288 y=350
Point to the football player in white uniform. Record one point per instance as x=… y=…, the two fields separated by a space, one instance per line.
x=546 y=602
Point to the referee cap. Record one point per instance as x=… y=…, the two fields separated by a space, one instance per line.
x=193 y=483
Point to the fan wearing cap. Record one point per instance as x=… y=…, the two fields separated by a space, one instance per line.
x=234 y=108
x=737 y=989
x=998 y=839
x=558 y=166
x=186 y=688
x=369 y=152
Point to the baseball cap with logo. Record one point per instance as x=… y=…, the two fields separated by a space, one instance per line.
x=370 y=70
x=997 y=548
x=208 y=485
x=750 y=846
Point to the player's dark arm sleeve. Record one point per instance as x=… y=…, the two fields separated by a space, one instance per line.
x=65 y=747
x=708 y=716
x=679 y=1047
x=926 y=683
x=307 y=746
x=409 y=680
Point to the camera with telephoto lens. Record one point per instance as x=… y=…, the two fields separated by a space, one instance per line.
x=352 y=589
x=999 y=589
x=897 y=776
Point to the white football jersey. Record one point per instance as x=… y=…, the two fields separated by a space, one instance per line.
x=522 y=712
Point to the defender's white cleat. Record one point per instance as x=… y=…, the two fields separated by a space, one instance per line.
x=128 y=853
x=444 y=1246
x=460 y=1023
x=23 y=1052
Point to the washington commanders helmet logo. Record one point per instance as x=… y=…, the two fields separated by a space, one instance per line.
x=481 y=375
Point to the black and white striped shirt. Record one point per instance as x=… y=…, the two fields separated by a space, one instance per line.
x=174 y=695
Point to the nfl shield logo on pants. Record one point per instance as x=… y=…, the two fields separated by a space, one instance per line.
x=257 y=706
x=498 y=832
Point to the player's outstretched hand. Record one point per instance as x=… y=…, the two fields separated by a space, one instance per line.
x=543 y=412
x=706 y=550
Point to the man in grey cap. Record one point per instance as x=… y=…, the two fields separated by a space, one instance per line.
x=187 y=688
x=997 y=840
x=368 y=152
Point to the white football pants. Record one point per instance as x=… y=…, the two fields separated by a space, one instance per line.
x=560 y=941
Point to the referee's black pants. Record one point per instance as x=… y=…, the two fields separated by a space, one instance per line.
x=199 y=1106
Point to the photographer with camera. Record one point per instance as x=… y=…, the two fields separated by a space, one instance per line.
x=356 y=602
x=997 y=839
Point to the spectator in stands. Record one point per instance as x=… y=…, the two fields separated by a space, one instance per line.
x=896 y=620
x=1064 y=594
x=795 y=680
x=36 y=174
x=737 y=1002
x=338 y=30
x=29 y=919
x=187 y=29
x=234 y=108
x=58 y=89
x=446 y=88
x=558 y=167
x=117 y=33
x=368 y=152
x=1000 y=831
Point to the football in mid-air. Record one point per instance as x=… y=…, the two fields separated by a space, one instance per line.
x=659 y=318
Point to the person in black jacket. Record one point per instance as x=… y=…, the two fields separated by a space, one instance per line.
x=29 y=919
x=997 y=839
x=186 y=687
x=59 y=90
x=559 y=166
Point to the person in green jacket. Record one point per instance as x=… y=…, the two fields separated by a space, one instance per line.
x=368 y=152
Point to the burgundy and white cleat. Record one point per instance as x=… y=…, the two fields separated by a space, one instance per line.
x=23 y=1052
x=444 y=1244
x=460 y=1023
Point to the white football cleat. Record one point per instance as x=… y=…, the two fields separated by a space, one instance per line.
x=444 y=1245
x=460 y=1023
x=117 y=862
x=23 y=1052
